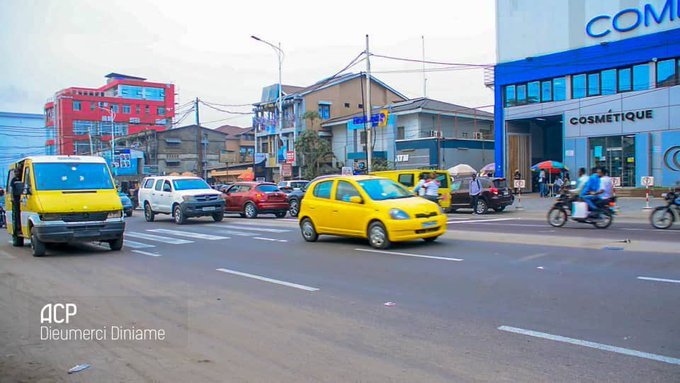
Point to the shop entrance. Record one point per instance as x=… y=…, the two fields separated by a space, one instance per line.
x=616 y=154
x=530 y=141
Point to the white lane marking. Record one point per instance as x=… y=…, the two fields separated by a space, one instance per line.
x=659 y=279
x=146 y=253
x=484 y=220
x=158 y=238
x=270 y=239
x=263 y=229
x=136 y=245
x=265 y=279
x=410 y=255
x=598 y=346
x=188 y=234
x=7 y=255
x=237 y=233
x=533 y=256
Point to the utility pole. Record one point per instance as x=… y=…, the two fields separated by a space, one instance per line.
x=199 y=150
x=424 y=76
x=369 y=123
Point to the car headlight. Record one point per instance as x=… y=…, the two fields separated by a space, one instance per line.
x=115 y=214
x=188 y=198
x=399 y=214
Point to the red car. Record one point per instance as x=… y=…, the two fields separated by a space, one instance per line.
x=252 y=198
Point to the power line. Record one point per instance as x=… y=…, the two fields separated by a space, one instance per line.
x=227 y=105
x=467 y=65
x=223 y=110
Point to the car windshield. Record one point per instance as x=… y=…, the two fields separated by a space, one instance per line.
x=72 y=176
x=190 y=184
x=382 y=189
x=268 y=188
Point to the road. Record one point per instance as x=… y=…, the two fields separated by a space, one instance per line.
x=249 y=300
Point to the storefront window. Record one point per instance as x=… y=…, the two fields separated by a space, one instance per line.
x=578 y=86
x=624 y=80
x=560 y=89
x=533 y=92
x=641 y=77
x=609 y=81
x=616 y=154
x=666 y=74
x=510 y=95
x=521 y=94
x=546 y=91
x=593 y=84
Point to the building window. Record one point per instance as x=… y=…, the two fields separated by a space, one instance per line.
x=160 y=111
x=126 y=109
x=625 y=80
x=641 y=77
x=533 y=92
x=325 y=111
x=362 y=138
x=147 y=109
x=546 y=91
x=521 y=94
x=510 y=98
x=93 y=106
x=578 y=86
x=76 y=105
x=667 y=73
x=594 y=84
x=347 y=105
x=137 y=111
x=360 y=106
x=400 y=133
x=114 y=108
x=608 y=82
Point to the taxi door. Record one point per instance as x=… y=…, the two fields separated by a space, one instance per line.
x=349 y=218
x=320 y=207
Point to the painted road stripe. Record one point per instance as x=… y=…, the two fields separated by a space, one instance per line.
x=659 y=279
x=598 y=346
x=263 y=229
x=237 y=233
x=410 y=255
x=158 y=238
x=136 y=245
x=265 y=279
x=484 y=220
x=270 y=239
x=188 y=234
x=146 y=253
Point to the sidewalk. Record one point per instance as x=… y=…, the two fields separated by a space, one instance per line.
x=534 y=207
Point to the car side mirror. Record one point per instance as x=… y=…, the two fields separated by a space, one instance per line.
x=356 y=199
x=17 y=189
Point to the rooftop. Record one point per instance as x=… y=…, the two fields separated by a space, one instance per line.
x=120 y=76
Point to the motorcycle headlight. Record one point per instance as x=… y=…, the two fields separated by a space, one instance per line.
x=115 y=214
x=399 y=214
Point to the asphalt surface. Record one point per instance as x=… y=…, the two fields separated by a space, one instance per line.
x=249 y=300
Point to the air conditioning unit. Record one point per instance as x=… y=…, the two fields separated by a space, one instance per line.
x=478 y=135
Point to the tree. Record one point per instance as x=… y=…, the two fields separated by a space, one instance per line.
x=379 y=164
x=312 y=116
x=315 y=151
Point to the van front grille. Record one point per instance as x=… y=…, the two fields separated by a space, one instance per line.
x=84 y=217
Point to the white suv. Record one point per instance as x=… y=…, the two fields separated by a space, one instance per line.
x=181 y=197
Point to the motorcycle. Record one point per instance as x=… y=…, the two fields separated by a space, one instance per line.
x=663 y=217
x=2 y=217
x=561 y=211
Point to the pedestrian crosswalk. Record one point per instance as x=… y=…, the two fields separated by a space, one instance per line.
x=153 y=237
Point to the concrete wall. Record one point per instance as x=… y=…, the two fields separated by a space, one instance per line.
x=185 y=152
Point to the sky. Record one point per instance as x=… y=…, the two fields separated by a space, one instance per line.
x=204 y=47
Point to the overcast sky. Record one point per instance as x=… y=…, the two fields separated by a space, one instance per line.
x=204 y=47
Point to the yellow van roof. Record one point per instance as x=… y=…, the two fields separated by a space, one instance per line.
x=52 y=159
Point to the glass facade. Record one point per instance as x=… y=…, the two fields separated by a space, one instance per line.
x=578 y=86
x=533 y=92
x=641 y=77
x=667 y=72
x=616 y=154
x=560 y=88
x=609 y=82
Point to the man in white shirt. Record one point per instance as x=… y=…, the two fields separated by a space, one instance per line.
x=582 y=181
x=432 y=188
x=606 y=185
x=475 y=191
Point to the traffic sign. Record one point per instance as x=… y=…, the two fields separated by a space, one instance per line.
x=519 y=184
x=647 y=181
x=347 y=171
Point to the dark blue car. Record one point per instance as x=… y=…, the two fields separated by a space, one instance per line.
x=127 y=204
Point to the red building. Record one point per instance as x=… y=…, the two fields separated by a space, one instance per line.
x=78 y=120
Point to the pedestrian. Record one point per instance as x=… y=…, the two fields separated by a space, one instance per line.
x=419 y=189
x=557 y=185
x=431 y=187
x=541 y=183
x=475 y=191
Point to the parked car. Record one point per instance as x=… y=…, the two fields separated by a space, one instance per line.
x=495 y=194
x=289 y=186
x=181 y=197
x=128 y=207
x=295 y=199
x=251 y=198
x=375 y=208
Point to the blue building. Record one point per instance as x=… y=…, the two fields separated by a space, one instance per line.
x=589 y=83
x=21 y=135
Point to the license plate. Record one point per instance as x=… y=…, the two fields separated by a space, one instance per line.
x=429 y=223
x=505 y=193
x=209 y=208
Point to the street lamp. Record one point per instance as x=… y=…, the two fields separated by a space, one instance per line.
x=112 y=117
x=279 y=54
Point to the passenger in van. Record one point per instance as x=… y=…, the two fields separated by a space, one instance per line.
x=420 y=186
x=432 y=188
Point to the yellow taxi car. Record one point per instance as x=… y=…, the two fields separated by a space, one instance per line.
x=375 y=208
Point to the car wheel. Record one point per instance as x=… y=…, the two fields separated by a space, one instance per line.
x=280 y=214
x=294 y=208
x=180 y=219
x=149 y=215
x=37 y=247
x=218 y=217
x=430 y=239
x=557 y=217
x=482 y=207
x=377 y=236
x=662 y=217
x=250 y=210
x=308 y=230
x=499 y=209
x=17 y=241
x=116 y=244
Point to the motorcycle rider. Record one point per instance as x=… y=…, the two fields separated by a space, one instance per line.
x=591 y=191
x=581 y=182
x=606 y=185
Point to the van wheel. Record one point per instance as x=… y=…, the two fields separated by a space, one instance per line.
x=37 y=247
x=116 y=244
x=148 y=213
x=377 y=236
x=180 y=219
x=17 y=241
